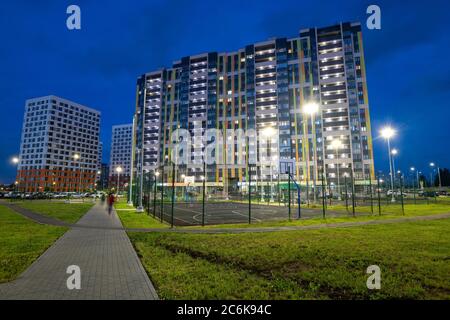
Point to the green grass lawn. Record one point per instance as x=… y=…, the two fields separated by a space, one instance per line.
x=410 y=209
x=310 y=264
x=21 y=242
x=131 y=219
x=68 y=212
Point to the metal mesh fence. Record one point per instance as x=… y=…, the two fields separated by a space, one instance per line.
x=207 y=195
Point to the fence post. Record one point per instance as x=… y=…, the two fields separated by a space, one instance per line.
x=289 y=192
x=401 y=192
x=346 y=192
x=149 y=192
x=154 y=194
x=249 y=193
x=162 y=193
x=323 y=195
x=279 y=190
x=204 y=191
x=379 y=196
x=353 y=192
x=299 y=202
x=370 y=188
x=173 y=195
x=329 y=190
x=307 y=191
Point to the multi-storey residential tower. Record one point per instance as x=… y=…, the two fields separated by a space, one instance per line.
x=103 y=181
x=59 y=146
x=121 y=143
x=266 y=85
x=100 y=155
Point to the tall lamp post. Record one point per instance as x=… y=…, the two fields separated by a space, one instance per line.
x=99 y=174
x=387 y=133
x=118 y=170
x=15 y=161
x=336 y=144
x=432 y=165
x=311 y=109
x=394 y=153
x=76 y=157
x=413 y=170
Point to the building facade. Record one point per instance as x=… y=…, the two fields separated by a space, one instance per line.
x=59 y=146
x=121 y=147
x=103 y=182
x=266 y=85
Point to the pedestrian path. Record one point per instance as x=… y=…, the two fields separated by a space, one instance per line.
x=110 y=268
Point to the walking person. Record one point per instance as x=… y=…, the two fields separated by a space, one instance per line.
x=111 y=200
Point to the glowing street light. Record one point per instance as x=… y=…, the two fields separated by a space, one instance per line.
x=432 y=165
x=394 y=152
x=311 y=108
x=387 y=133
x=15 y=161
x=118 y=170
x=76 y=157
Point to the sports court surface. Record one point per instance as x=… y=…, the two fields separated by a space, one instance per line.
x=190 y=213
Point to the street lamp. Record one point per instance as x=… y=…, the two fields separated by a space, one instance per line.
x=432 y=164
x=99 y=172
x=387 y=133
x=413 y=169
x=311 y=109
x=394 y=152
x=15 y=161
x=118 y=170
x=336 y=144
x=76 y=157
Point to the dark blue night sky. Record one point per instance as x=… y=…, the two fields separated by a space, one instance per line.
x=408 y=64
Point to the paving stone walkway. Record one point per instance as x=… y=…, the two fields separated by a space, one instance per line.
x=110 y=268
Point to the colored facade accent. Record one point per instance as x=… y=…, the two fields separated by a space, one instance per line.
x=54 y=131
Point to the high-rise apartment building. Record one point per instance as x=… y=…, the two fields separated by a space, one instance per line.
x=100 y=155
x=103 y=183
x=121 y=146
x=308 y=93
x=59 y=146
